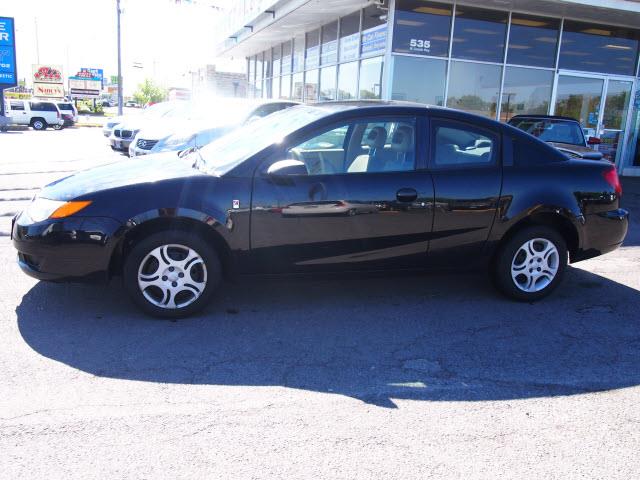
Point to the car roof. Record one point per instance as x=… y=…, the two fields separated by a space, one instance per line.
x=396 y=106
x=545 y=117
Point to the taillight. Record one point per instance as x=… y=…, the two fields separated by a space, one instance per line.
x=611 y=176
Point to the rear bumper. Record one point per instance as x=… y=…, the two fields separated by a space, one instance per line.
x=603 y=232
x=73 y=249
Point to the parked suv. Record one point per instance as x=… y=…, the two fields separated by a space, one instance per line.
x=563 y=133
x=35 y=113
x=69 y=114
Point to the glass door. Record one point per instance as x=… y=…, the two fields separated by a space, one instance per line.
x=614 y=119
x=580 y=98
x=600 y=104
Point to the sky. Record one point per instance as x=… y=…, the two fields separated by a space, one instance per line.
x=166 y=39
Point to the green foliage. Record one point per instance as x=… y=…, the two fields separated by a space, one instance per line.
x=149 y=92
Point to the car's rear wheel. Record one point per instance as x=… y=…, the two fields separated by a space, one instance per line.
x=38 y=124
x=172 y=274
x=58 y=127
x=531 y=264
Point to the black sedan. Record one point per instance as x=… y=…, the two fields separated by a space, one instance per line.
x=330 y=187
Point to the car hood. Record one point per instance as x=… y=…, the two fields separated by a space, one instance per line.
x=147 y=169
x=579 y=151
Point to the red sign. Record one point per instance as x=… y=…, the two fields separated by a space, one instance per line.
x=47 y=74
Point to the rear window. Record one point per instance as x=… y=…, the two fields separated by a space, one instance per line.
x=65 y=106
x=551 y=130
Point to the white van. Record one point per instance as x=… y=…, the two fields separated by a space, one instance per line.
x=39 y=114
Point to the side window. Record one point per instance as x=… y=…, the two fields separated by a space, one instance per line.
x=324 y=153
x=459 y=144
x=360 y=147
x=17 y=106
x=49 y=107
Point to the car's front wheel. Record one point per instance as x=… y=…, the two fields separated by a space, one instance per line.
x=531 y=264
x=172 y=274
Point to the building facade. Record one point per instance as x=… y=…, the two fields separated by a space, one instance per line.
x=496 y=58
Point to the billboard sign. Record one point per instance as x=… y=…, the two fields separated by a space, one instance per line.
x=47 y=74
x=84 y=85
x=48 y=90
x=8 y=71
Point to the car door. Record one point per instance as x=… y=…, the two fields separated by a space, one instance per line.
x=19 y=113
x=352 y=195
x=467 y=175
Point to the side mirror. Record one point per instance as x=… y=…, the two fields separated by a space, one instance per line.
x=593 y=141
x=287 y=167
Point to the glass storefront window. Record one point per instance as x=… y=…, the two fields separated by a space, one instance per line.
x=297 y=86
x=277 y=53
x=525 y=91
x=285 y=87
x=579 y=98
x=328 y=83
x=370 y=86
x=311 y=86
x=479 y=34
x=329 y=46
x=474 y=87
x=275 y=87
x=298 y=53
x=418 y=80
x=596 y=48
x=313 y=49
x=252 y=75
x=266 y=63
x=286 y=57
x=374 y=31
x=533 y=41
x=349 y=36
x=422 y=28
x=259 y=77
x=347 y=81
x=616 y=104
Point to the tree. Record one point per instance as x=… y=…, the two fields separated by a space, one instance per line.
x=149 y=92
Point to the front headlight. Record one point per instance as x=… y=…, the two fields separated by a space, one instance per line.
x=43 y=208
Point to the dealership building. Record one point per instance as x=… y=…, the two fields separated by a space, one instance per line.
x=496 y=58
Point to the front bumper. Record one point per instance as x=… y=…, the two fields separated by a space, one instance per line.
x=121 y=144
x=603 y=232
x=74 y=248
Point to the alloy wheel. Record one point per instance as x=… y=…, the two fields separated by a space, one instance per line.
x=172 y=276
x=535 y=265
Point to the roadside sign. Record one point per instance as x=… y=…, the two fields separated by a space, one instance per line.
x=87 y=83
x=8 y=70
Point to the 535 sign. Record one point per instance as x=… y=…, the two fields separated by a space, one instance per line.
x=419 y=45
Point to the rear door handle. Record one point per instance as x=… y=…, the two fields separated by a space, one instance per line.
x=407 y=195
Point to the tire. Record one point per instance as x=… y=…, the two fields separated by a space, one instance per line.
x=58 y=127
x=39 y=124
x=531 y=264
x=162 y=292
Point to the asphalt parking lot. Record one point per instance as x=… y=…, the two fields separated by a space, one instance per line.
x=395 y=377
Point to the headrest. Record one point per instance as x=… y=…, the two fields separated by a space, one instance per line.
x=376 y=137
x=402 y=140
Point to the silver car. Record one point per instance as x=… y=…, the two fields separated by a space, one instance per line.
x=197 y=125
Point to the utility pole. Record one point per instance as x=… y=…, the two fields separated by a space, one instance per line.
x=120 y=97
x=35 y=22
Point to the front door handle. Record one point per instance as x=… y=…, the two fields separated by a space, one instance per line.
x=407 y=195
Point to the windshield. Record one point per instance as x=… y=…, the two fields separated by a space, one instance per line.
x=551 y=130
x=160 y=109
x=228 y=152
x=220 y=111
